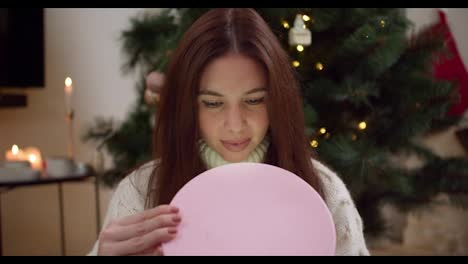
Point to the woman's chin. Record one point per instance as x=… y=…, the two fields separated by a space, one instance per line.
x=234 y=158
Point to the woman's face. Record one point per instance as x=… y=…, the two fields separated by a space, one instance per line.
x=232 y=106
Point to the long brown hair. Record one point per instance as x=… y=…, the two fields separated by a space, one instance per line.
x=214 y=34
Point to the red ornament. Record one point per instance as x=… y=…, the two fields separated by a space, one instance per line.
x=451 y=68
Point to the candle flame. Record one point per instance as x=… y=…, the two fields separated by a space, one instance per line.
x=68 y=87
x=15 y=149
x=68 y=81
x=32 y=158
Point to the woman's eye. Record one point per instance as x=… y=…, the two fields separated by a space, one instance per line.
x=212 y=104
x=255 y=101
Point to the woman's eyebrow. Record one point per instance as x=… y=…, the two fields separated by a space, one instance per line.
x=255 y=90
x=213 y=93
x=208 y=92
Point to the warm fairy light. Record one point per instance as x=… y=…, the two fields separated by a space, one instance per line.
x=305 y=18
x=296 y=64
x=319 y=66
x=285 y=24
x=362 y=125
x=323 y=130
x=382 y=23
x=314 y=143
x=300 y=48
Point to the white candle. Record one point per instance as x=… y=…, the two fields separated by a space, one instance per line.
x=15 y=154
x=34 y=157
x=68 y=94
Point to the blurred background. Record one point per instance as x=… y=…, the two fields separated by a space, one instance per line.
x=385 y=94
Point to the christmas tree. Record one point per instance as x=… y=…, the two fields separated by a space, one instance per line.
x=369 y=94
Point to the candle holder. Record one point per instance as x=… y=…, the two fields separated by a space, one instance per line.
x=16 y=164
x=70 y=147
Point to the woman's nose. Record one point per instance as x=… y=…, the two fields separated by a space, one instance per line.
x=235 y=121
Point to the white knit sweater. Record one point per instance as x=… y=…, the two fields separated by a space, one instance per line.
x=129 y=198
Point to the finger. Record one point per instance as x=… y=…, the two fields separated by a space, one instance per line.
x=158 y=252
x=153 y=251
x=148 y=214
x=144 y=253
x=121 y=233
x=141 y=255
x=142 y=243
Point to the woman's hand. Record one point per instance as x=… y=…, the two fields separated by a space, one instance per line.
x=140 y=234
x=154 y=83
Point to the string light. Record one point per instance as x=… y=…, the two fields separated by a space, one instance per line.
x=285 y=24
x=305 y=18
x=296 y=63
x=314 y=143
x=319 y=66
x=382 y=23
x=323 y=130
x=300 y=48
x=362 y=125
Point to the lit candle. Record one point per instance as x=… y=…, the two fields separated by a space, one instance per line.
x=34 y=157
x=15 y=154
x=68 y=94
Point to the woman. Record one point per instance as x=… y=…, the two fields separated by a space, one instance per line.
x=230 y=95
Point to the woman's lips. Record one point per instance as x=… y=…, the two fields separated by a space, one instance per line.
x=235 y=145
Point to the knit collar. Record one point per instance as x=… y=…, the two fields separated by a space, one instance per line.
x=212 y=159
